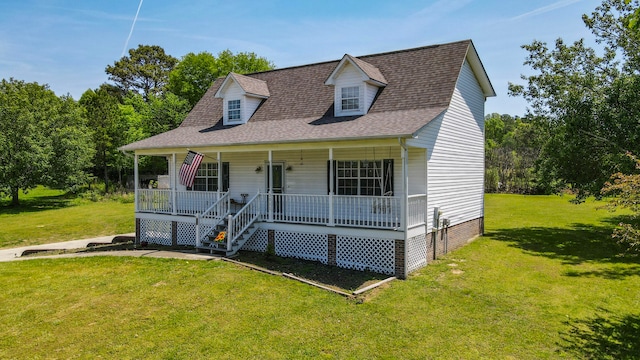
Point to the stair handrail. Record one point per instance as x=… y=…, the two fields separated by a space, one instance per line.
x=221 y=216
x=241 y=221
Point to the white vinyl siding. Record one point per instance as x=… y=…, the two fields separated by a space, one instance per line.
x=308 y=174
x=347 y=78
x=369 y=95
x=455 y=143
x=248 y=104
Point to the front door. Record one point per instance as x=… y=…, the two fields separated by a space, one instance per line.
x=278 y=185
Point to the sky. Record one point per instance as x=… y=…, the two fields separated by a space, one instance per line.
x=68 y=43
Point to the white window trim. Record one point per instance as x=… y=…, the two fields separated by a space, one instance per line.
x=359 y=178
x=239 y=109
x=356 y=97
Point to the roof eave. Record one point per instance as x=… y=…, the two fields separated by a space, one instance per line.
x=292 y=141
x=479 y=70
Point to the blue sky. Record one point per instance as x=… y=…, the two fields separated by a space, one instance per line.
x=67 y=44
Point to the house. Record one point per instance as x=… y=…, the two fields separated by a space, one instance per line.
x=372 y=162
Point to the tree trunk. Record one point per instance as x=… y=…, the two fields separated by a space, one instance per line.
x=15 y=201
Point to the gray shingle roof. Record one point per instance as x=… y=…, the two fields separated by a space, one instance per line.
x=420 y=83
x=372 y=72
x=251 y=85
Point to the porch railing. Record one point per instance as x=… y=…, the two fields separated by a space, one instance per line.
x=241 y=221
x=303 y=209
x=214 y=213
x=381 y=212
x=187 y=202
x=357 y=211
x=367 y=211
x=417 y=214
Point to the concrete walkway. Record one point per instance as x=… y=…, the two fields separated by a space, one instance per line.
x=16 y=253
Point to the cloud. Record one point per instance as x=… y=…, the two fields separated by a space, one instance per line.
x=545 y=9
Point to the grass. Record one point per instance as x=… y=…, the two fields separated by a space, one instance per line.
x=546 y=282
x=46 y=216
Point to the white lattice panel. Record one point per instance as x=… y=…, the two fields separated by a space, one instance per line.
x=204 y=231
x=155 y=231
x=416 y=252
x=302 y=245
x=186 y=234
x=366 y=254
x=257 y=242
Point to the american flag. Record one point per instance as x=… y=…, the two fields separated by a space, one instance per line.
x=189 y=168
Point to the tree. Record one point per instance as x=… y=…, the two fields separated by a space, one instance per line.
x=241 y=63
x=579 y=92
x=43 y=139
x=195 y=73
x=625 y=189
x=107 y=127
x=146 y=70
x=512 y=151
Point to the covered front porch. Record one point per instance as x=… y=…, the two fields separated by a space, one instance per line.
x=360 y=191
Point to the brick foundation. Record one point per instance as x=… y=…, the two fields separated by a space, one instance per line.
x=399 y=258
x=447 y=240
x=271 y=239
x=137 y=231
x=331 y=250
x=174 y=233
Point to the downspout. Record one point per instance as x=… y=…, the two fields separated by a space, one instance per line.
x=405 y=202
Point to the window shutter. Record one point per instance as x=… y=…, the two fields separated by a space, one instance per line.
x=335 y=176
x=225 y=176
x=387 y=176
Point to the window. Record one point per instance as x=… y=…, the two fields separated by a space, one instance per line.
x=351 y=98
x=374 y=178
x=233 y=108
x=207 y=177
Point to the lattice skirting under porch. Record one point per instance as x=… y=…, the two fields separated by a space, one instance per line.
x=416 y=252
x=386 y=256
x=155 y=232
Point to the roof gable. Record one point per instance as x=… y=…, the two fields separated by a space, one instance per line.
x=250 y=86
x=369 y=73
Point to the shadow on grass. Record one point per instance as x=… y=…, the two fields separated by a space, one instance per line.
x=574 y=245
x=35 y=204
x=605 y=336
x=342 y=279
x=345 y=279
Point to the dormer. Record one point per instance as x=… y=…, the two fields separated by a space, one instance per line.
x=356 y=83
x=241 y=96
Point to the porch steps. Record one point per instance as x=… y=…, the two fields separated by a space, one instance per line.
x=212 y=246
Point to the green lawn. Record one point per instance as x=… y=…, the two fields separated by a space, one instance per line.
x=544 y=283
x=46 y=216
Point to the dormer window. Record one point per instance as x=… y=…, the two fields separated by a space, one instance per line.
x=241 y=96
x=356 y=85
x=351 y=98
x=233 y=107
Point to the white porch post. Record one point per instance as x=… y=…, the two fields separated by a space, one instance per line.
x=405 y=200
x=174 y=184
x=331 y=189
x=219 y=158
x=270 y=185
x=136 y=180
